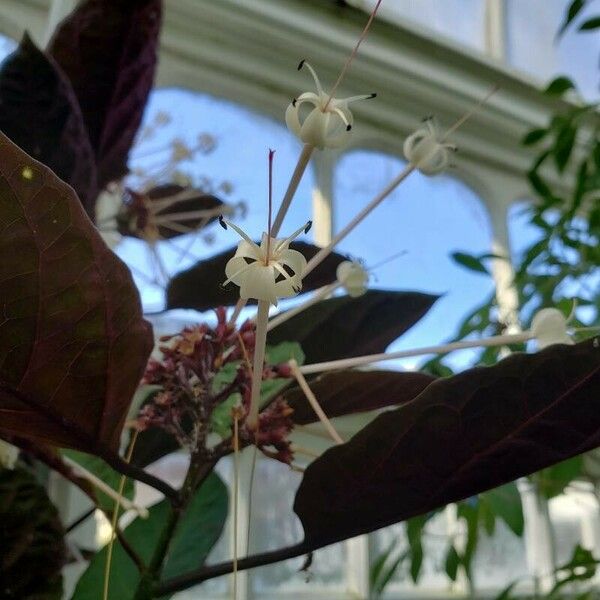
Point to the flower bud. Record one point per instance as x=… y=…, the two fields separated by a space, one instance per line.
x=549 y=326
x=353 y=277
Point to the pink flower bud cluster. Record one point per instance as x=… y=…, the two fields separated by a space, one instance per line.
x=188 y=396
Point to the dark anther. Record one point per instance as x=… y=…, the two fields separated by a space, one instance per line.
x=308 y=226
x=301 y=64
x=427 y=118
x=294 y=102
x=348 y=127
x=222 y=222
x=373 y=95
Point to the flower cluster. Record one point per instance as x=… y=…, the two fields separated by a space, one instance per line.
x=201 y=369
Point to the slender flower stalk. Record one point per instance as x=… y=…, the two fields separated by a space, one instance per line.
x=103 y=487
x=303 y=160
x=359 y=361
x=318 y=258
x=335 y=436
x=262 y=318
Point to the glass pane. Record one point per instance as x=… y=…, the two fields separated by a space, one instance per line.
x=428 y=219
x=274 y=526
x=532 y=45
x=460 y=20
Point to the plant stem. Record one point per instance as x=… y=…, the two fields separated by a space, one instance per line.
x=324 y=252
x=305 y=155
x=346 y=363
x=186 y=581
x=262 y=318
x=198 y=471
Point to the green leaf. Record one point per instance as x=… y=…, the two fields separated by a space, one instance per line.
x=470 y=262
x=452 y=562
x=283 y=352
x=414 y=532
x=101 y=470
x=553 y=480
x=505 y=502
x=573 y=10
x=557 y=87
x=32 y=548
x=593 y=23
x=534 y=136
x=563 y=147
x=195 y=535
x=506 y=593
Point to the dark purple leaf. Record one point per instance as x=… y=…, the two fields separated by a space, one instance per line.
x=108 y=49
x=343 y=327
x=461 y=436
x=138 y=215
x=73 y=343
x=40 y=113
x=346 y=392
x=200 y=287
x=31 y=538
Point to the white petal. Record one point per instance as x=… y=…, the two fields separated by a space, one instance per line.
x=235 y=268
x=292 y=119
x=8 y=455
x=259 y=283
x=294 y=260
x=248 y=250
x=314 y=129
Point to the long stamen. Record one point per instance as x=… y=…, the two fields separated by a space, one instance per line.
x=342 y=116
x=349 y=60
x=270 y=225
x=361 y=97
x=225 y=223
x=303 y=63
x=335 y=436
x=304 y=229
x=498 y=340
x=470 y=113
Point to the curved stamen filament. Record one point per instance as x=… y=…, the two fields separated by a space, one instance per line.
x=342 y=116
x=314 y=74
x=243 y=235
x=304 y=229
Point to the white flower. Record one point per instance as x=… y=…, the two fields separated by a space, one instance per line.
x=549 y=326
x=8 y=455
x=329 y=123
x=426 y=150
x=266 y=272
x=353 y=277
